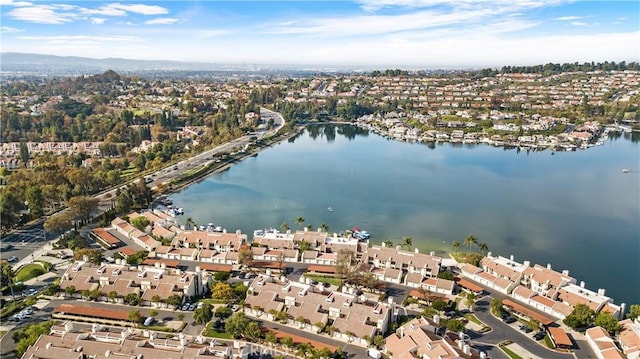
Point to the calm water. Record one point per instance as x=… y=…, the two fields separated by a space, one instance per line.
x=575 y=210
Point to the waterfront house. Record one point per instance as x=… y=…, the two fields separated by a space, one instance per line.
x=629 y=338
x=602 y=344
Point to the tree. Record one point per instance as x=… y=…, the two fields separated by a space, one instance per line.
x=189 y=223
x=221 y=276
x=222 y=291
x=496 y=306
x=456 y=246
x=344 y=260
x=223 y=312
x=470 y=300
x=35 y=201
x=140 y=222
x=252 y=331
x=123 y=203
x=7 y=276
x=70 y=290
x=174 y=300
x=134 y=316
x=287 y=342
x=236 y=324
x=608 y=322
x=300 y=221
x=388 y=244
x=284 y=226
x=446 y=274
x=470 y=241
x=580 y=317
x=407 y=242
x=82 y=206
x=203 y=314
x=245 y=256
x=324 y=227
x=454 y=325
x=58 y=223
x=132 y=299
x=112 y=295
x=634 y=311
x=26 y=337
x=153 y=313
x=378 y=341
x=439 y=305
x=270 y=337
x=483 y=248
x=92 y=255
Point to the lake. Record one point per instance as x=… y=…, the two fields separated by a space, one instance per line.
x=574 y=210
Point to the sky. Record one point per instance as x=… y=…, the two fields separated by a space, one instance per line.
x=384 y=33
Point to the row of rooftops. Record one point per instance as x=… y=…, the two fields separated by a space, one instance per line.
x=539 y=285
x=146 y=281
x=66 y=341
x=316 y=304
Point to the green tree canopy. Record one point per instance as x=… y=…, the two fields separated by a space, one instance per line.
x=203 y=314
x=608 y=322
x=580 y=317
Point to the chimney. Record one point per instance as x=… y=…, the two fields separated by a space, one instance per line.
x=511 y=257
x=68 y=327
x=565 y=272
x=581 y=284
x=436 y=319
x=466 y=349
x=489 y=254
x=548 y=265
x=238 y=231
x=526 y=264
x=623 y=309
x=384 y=244
x=601 y=292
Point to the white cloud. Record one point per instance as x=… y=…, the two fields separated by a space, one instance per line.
x=81 y=38
x=15 y=3
x=140 y=8
x=42 y=14
x=568 y=18
x=11 y=30
x=161 y=21
x=97 y=20
x=578 y=23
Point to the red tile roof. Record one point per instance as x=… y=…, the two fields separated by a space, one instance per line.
x=92 y=312
x=543 y=319
x=216 y=267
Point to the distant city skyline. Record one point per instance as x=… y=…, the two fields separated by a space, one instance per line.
x=383 y=33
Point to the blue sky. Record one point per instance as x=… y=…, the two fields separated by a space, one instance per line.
x=383 y=33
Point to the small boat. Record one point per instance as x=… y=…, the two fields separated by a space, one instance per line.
x=330 y=209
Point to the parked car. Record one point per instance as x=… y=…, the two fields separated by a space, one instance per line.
x=192 y=307
x=12 y=259
x=508 y=319
x=185 y=306
x=539 y=336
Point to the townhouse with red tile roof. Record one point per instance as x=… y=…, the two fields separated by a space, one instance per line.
x=313 y=307
x=145 y=281
x=417 y=339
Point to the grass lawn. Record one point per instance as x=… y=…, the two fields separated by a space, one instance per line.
x=212 y=333
x=473 y=318
x=29 y=271
x=329 y=279
x=511 y=354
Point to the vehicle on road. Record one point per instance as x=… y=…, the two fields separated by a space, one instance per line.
x=12 y=259
x=374 y=353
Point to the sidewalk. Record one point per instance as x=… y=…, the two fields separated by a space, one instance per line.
x=522 y=352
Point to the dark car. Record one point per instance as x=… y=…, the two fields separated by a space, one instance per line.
x=539 y=336
x=509 y=320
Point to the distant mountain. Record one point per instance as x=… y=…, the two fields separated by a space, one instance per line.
x=51 y=64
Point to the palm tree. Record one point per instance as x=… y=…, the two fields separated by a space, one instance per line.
x=470 y=241
x=407 y=242
x=189 y=223
x=300 y=221
x=309 y=225
x=483 y=248
x=284 y=226
x=456 y=246
x=324 y=227
x=388 y=244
